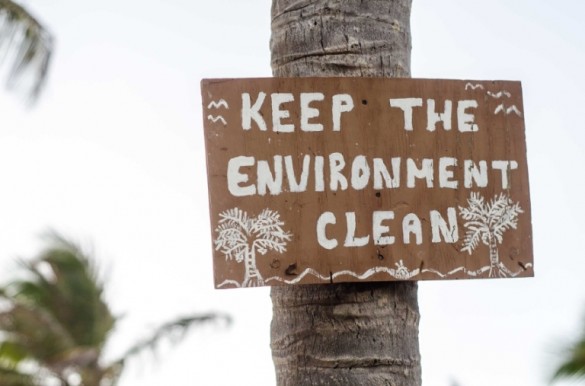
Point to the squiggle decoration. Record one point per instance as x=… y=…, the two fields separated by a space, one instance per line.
x=473 y=86
x=226 y=282
x=401 y=273
x=499 y=94
x=512 y=109
x=215 y=119
x=218 y=104
x=459 y=269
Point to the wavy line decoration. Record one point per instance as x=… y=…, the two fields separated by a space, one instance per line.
x=400 y=273
x=499 y=94
x=479 y=272
x=507 y=110
x=214 y=119
x=501 y=108
x=217 y=104
x=473 y=86
x=513 y=109
x=228 y=282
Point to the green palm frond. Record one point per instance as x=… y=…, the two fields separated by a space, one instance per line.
x=13 y=377
x=34 y=332
x=68 y=288
x=173 y=331
x=54 y=321
x=56 y=316
x=28 y=46
x=11 y=354
x=573 y=365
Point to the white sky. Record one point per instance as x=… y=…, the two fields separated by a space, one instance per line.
x=113 y=156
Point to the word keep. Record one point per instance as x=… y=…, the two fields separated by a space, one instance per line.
x=340 y=103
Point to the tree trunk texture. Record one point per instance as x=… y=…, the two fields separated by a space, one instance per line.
x=350 y=333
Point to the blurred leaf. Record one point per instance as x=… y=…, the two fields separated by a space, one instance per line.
x=11 y=377
x=56 y=315
x=173 y=331
x=573 y=363
x=56 y=322
x=28 y=46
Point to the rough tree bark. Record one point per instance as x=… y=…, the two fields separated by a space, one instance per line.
x=356 y=333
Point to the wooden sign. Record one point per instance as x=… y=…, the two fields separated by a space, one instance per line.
x=325 y=180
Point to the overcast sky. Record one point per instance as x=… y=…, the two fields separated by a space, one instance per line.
x=113 y=157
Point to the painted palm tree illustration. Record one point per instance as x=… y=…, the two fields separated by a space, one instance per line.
x=486 y=223
x=240 y=237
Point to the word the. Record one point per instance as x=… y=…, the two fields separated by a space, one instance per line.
x=465 y=120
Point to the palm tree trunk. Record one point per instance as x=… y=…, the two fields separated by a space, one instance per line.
x=247 y=267
x=494 y=257
x=353 y=333
x=252 y=277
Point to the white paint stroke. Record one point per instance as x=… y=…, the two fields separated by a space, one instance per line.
x=512 y=109
x=216 y=105
x=226 y=282
x=458 y=269
x=214 y=119
x=241 y=237
x=514 y=274
x=401 y=273
x=473 y=86
x=478 y=271
x=499 y=94
x=486 y=222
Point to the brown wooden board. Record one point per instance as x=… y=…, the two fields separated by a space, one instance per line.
x=325 y=180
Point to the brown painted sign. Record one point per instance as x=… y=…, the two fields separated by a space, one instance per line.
x=323 y=180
